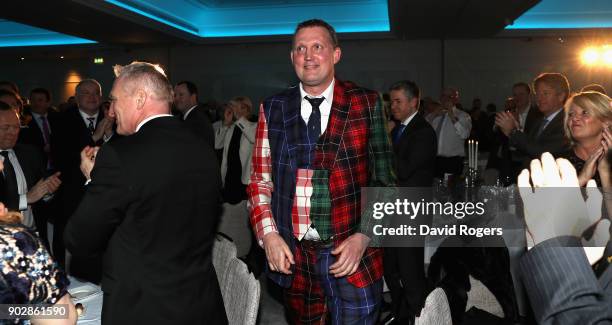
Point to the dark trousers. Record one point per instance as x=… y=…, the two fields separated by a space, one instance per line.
x=42 y=213
x=59 y=250
x=451 y=165
x=405 y=277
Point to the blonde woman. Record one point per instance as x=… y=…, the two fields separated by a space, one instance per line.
x=588 y=120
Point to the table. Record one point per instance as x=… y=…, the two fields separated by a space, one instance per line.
x=90 y=296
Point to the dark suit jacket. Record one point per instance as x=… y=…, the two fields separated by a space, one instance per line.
x=534 y=116
x=33 y=135
x=510 y=162
x=532 y=124
x=415 y=154
x=153 y=206
x=551 y=140
x=199 y=122
x=562 y=287
x=32 y=164
x=70 y=136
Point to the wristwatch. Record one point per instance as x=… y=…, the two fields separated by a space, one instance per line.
x=515 y=130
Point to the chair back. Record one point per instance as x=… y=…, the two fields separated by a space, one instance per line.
x=224 y=250
x=241 y=294
x=436 y=310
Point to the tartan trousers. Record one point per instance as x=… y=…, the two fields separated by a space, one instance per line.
x=316 y=296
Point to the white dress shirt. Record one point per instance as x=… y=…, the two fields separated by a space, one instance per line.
x=37 y=118
x=143 y=122
x=324 y=108
x=552 y=116
x=189 y=111
x=22 y=188
x=408 y=119
x=85 y=117
x=523 y=117
x=305 y=111
x=452 y=135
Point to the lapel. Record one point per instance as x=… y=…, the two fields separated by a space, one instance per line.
x=81 y=122
x=533 y=117
x=327 y=151
x=78 y=121
x=100 y=117
x=25 y=162
x=554 y=124
x=292 y=120
x=412 y=125
x=36 y=132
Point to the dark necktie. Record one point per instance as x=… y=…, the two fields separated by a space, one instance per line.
x=10 y=184
x=47 y=138
x=397 y=132
x=45 y=129
x=314 y=121
x=91 y=126
x=542 y=127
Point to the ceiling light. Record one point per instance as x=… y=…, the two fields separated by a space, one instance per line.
x=590 y=56
x=606 y=55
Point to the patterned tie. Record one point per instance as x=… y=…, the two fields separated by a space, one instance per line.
x=47 y=139
x=314 y=121
x=10 y=184
x=45 y=129
x=91 y=126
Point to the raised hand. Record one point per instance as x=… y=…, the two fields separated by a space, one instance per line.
x=554 y=205
x=88 y=160
x=506 y=122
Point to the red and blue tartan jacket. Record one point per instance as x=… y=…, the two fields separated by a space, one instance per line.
x=354 y=149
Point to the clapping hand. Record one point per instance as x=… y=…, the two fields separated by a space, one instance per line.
x=555 y=207
x=88 y=160
x=603 y=167
x=43 y=187
x=506 y=122
x=105 y=127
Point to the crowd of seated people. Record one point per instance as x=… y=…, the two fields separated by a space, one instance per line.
x=538 y=118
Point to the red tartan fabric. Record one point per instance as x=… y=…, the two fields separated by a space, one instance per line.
x=305 y=298
x=260 y=190
x=346 y=149
x=348 y=131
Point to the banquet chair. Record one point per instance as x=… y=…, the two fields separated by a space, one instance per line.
x=241 y=293
x=436 y=310
x=224 y=250
x=482 y=298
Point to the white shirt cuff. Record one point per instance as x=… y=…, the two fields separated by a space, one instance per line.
x=23 y=202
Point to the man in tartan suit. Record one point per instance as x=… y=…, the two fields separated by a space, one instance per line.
x=316 y=146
